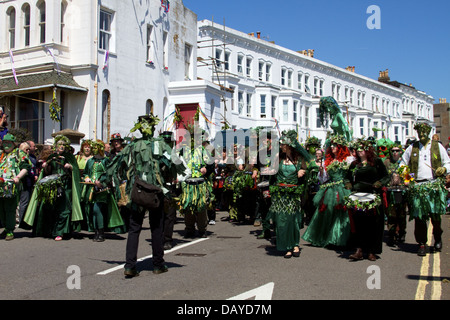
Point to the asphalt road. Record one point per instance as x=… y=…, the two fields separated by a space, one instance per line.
x=230 y=263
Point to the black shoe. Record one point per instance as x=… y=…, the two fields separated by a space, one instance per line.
x=422 y=252
x=288 y=255
x=159 y=270
x=131 y=272
x=101 y=235
x=296 y=254
x=168 y=246
x=438 y=246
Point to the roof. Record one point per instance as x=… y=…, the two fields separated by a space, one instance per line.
x=38 y=81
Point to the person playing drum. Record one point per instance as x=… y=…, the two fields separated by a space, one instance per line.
x=396 y=195
x=14 y=165
x=429 y=162
x=367 y=175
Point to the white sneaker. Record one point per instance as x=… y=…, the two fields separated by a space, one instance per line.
x=212 y=222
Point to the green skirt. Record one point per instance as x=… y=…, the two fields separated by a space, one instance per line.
x=285 y=212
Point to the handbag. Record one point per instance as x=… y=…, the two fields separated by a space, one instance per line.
x=146 y=195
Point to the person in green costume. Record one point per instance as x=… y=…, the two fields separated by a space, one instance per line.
x=330 y=224
x=101 y=211
x=396 y=195
x=14 y=165
x=54 y=209
x=295 y=164
x=367 y=174
x=197 y=194
x=428 y=162
x=145 y=158
x=329 y=107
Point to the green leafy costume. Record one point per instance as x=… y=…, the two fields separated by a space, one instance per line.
x=56 y=217
x=102 y=211
x=10 y=166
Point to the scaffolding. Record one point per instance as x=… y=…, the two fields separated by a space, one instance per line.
x=216 y=65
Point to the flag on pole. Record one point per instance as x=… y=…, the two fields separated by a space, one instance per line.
x=166 y=5
x=105 y=64
x=11 y=57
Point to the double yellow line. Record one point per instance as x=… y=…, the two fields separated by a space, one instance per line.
x=436 y=286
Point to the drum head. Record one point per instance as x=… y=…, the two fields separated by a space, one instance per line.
x=51 y=177
x=263 y=184
x=362 y=197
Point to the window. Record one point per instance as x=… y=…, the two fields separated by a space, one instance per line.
x=361 y=126
x=227 y=61
x=105 y=30
x=285 y=110
x=307 y=90
x=274 y=106
x=318 y=123
x=240 y=102
x=149 y=107
x=316 y=86
x=187 y=61
x=218 y=59
x=149 y=43
x=249 y=67
x=268 y=75
x=165 y=49
x=26 y=24
x=28 y=114
x=307 y=116
x=41 y=9
x=299 y=80
x=63 y=23
x=240 y=60
x=263 y=106
x=290 y=79
x=260 y=70
x=396 y=136
x=283 y=77
x=375 y=132
x=249 y=105
x=12 y=27
x=295 y=111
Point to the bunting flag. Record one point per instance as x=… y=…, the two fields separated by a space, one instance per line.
x=204 y=116
x=165 y=119
x=54 y=60
x=105 y=64
x=166 y=5
x=277 y=126
x=11 y=57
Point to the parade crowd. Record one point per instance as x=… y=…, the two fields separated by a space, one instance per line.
x=344 y=192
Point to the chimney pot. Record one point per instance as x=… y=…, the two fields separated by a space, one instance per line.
x=258 y=33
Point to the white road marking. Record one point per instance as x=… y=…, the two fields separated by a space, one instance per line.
x=261 y=293
x=181 y=246
x=436 y=288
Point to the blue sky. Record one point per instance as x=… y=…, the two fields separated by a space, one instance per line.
x=413 y=42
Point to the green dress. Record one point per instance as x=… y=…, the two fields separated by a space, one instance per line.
x=330 y=224
x=285 y=210
x=63 y=215
x=101 y=210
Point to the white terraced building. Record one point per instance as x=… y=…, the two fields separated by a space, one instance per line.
x=273 y=84
x=107 y=62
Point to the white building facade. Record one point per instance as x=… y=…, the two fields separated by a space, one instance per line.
x=274 y=85
x=107 y=62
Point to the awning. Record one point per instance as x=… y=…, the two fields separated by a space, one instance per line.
x=38 y=82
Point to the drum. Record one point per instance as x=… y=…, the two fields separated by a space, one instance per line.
x=361 y=201
x=264 y=188
x=49 y=188
x=195 y=181
x=397 y=194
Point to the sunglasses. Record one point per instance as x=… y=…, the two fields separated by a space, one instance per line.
x=396 y=150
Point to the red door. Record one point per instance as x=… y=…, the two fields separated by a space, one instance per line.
x=187 y=112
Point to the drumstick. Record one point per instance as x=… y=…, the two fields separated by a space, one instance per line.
x=430 y=167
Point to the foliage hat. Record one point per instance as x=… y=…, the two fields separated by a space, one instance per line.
x=362 y=143
x=422 y=126
x=313 y=142
x=9 y=137
x=290 y=138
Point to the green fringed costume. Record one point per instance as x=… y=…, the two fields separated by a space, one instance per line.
x=330 y=224
x=11 y=164
x=285 y=210
x=64 y=215
x=102 y=212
